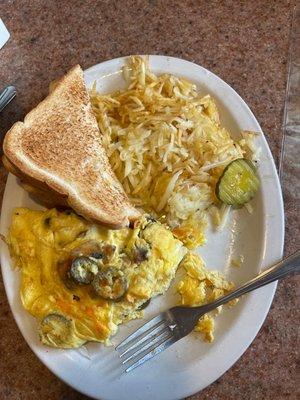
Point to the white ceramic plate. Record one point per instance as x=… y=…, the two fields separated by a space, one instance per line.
x=190 y=365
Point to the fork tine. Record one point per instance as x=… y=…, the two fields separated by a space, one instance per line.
x=152 y=352
x=141 y=332
x=144 y=344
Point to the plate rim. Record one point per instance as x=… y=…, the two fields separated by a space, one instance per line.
x=280 y=238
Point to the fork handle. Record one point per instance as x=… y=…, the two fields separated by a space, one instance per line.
x=283 y=268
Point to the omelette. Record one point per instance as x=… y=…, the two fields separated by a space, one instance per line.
x=199 y=286
x=81 y=280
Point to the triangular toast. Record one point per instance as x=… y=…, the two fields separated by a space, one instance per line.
x=59 y=147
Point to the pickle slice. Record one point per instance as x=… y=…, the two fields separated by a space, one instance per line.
x=110 y=284
x=55 y=330
x=238 y=183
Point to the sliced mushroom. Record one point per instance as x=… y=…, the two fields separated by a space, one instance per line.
x=87 y=249
x=140 y=253
x=108 y=251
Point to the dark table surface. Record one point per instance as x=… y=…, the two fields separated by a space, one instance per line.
x=244 y=42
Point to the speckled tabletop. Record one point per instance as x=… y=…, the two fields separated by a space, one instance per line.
x=245 y=43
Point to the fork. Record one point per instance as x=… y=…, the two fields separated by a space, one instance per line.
x=174 y=324
x=6 y=96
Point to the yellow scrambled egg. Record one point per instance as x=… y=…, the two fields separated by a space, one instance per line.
x=200 y=286
x=81 y=280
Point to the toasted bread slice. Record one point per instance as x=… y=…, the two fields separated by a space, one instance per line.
x=39 y=191
x=47 y=198
x=59 y=147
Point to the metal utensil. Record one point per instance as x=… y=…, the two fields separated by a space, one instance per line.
x=4 y=34
x=174 y=324
x=6 y=96
x=291 y=117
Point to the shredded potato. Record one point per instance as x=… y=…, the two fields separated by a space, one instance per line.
x=165 y=143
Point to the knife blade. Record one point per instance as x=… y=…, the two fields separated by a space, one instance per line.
x=4 y=34
x=291 y=119
x=6 y=96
